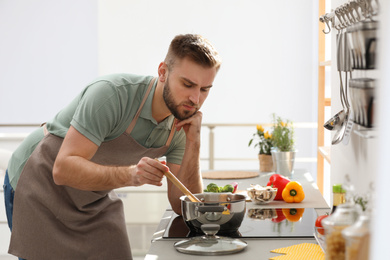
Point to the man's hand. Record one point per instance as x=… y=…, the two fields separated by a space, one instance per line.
x=148 y=171
x=191 y=126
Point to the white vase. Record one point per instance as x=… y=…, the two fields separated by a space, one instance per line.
x=283 y=162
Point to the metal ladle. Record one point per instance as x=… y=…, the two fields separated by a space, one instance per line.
x=346 y=127
x=339 y=135
x=336 y=122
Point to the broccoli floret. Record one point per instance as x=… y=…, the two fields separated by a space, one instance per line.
x=228 y=188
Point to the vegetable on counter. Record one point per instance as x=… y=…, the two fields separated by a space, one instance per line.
x=260 y=194
x=293 y=215
x=212 y=187
x=280 y=182
x=293 y=192
x=318 y=224
x=235 y=185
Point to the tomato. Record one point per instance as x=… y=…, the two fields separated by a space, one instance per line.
x=319 y=224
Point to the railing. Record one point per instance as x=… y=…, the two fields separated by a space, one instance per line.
x=211 y=126
x=211 y=145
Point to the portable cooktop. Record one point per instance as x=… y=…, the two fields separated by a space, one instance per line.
x=258 y=223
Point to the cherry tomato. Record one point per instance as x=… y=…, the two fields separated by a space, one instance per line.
x=319 y=225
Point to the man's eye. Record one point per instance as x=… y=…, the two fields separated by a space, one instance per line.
x=204 y=89
x=187 y=85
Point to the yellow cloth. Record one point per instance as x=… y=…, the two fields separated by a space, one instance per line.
x=304 y=251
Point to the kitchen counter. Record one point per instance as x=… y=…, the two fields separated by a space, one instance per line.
x=313 y=197
x=257 y=248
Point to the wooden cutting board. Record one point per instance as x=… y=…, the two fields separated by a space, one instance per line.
x=221 y=175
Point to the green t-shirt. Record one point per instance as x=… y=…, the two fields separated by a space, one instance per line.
x=102 y=112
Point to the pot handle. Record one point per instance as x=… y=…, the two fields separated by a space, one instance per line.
x=203 y=209
x=210 y=229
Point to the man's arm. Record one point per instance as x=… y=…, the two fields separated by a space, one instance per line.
x=73 y=167
x=189 y=171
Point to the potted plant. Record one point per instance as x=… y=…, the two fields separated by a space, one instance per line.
x=263 y=140
x=283 y=150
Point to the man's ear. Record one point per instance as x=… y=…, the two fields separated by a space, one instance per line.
x=162 y=71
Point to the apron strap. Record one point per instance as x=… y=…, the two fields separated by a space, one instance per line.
x=171 y=134
x=134 y=121
x=45 y=131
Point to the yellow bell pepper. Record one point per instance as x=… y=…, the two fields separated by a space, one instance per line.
x=293 y=192
x=293 y=215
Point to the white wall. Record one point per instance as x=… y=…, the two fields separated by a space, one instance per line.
x=380 y=227
x=48 y=52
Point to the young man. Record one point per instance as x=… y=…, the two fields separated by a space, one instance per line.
x=58 y=187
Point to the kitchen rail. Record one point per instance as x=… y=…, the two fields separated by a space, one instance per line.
x=350 y=13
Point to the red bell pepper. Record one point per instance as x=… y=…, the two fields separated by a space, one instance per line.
x=278 y=181
x=235 y=185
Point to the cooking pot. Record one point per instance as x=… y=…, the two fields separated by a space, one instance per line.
x=225 y=209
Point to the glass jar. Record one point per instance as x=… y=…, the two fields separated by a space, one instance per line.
x=344 y=216
x=357 y=239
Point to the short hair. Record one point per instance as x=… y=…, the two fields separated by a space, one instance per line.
x=195 y=47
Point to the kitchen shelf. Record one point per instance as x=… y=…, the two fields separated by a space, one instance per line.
x=366 y=133
x=325 y=152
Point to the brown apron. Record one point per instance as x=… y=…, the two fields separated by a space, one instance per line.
x=60 y=222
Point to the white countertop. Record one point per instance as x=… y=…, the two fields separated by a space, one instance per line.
x=313 y=197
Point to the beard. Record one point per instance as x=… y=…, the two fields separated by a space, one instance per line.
x=174 y=107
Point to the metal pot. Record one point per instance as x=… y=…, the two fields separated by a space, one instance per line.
x=225 y=209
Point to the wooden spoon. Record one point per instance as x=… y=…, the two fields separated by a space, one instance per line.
x=180 y=185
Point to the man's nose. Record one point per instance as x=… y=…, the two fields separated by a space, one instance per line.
x=194 y=97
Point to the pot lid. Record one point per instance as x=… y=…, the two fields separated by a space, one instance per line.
x=210 y=244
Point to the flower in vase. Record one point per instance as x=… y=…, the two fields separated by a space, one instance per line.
x=262 y=139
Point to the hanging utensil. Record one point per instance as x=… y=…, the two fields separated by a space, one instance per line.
x=338 y=136
x=349 y=123
x=345 y=66
x=336 y=122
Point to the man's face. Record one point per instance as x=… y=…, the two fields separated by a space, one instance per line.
x=186 y=88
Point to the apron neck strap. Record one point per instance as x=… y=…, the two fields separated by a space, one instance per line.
x=134 y=121
x=172 y=133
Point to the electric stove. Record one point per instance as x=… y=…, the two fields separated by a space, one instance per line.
x=257 y=223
